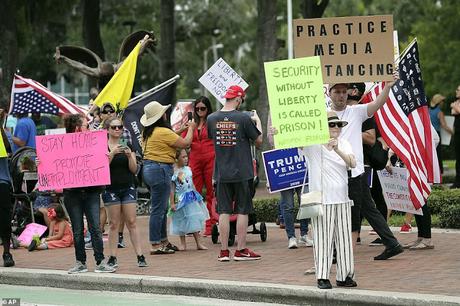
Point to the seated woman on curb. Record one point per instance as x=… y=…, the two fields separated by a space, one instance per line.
x=327 y=170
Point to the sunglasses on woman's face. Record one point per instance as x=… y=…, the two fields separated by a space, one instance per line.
x=336 y=124
x=116 y=127
x=201 y=108
x=108 y=111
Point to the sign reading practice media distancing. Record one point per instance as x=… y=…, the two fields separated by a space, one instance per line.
x=396 y=191
x=73 y=160
x=296 y=98
x=220 y=77
x=352 y=49
x=284 y=169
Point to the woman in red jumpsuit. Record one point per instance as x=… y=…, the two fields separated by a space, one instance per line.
x=201 y=158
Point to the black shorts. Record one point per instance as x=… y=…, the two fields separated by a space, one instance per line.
x=239 y=192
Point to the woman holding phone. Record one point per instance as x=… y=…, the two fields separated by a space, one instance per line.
x=120 y=196
x=202 y=155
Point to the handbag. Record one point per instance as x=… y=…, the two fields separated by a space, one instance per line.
x=311 y=202
x=310 y=205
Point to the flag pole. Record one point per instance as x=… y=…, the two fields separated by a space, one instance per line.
x=154 y=89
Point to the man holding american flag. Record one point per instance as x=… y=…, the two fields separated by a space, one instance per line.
x=358 y=190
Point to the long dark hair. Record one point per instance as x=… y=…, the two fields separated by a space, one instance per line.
x=148 y=130
x=207 y=103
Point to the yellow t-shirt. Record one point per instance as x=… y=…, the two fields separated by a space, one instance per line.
x=159 y=146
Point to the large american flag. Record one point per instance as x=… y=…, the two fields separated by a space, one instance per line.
x=404 y=123
x=29 y=96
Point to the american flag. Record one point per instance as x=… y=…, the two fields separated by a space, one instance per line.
x=404 y=123
x=29 y=96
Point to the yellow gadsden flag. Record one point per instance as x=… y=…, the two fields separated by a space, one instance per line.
x=118 y=90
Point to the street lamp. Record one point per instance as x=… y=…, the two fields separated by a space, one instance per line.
x=214 y=48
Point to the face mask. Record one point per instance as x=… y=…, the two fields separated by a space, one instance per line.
x=354 y=98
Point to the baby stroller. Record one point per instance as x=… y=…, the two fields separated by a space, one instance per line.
x=252 y=221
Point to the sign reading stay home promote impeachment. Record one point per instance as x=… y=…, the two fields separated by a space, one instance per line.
x=352 y=49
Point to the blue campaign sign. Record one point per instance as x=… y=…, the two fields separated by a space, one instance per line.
x=284 y=169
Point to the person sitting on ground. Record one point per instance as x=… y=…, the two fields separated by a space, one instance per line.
x=60 y=231
x=189 y=212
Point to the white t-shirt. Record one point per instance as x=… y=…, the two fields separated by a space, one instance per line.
x=355 y=115
x=332 y=168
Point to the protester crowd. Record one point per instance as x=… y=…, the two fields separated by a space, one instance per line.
x=213 y=151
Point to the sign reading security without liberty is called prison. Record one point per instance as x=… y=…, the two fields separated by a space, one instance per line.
x=352 y=49
x=296 y=98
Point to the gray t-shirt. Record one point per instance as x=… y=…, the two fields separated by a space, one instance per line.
x=231 y=132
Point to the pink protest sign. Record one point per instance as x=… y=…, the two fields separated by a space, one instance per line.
x=73 y=160
x=31 y=230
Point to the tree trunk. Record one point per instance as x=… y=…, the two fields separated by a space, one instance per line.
x=8 y=48
x=313 y=8
x=266 y=51
x=91 y=28
x=167 y=40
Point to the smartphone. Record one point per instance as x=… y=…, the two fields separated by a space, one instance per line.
x=123 y=142
x=190 y=116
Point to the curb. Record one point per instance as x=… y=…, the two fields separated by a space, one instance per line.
x=230 y=290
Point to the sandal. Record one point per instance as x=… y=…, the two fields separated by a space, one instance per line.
x=171 y=246
x=162 y=250
x=422 y=246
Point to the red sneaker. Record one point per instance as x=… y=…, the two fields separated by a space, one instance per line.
x=224 y=255
x=246 y=254
x=406 y=228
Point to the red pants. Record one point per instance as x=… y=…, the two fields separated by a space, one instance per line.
x=202 y=169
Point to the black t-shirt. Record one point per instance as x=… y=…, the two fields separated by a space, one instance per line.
x=120 y=176
x=232 y=132
x=369 y=124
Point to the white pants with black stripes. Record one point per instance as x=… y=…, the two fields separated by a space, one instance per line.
x=333 y=228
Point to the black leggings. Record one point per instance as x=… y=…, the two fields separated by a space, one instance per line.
x=6 y=206
x=424 y=222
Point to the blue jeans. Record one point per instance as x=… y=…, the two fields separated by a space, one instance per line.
x=78 y=203
x=157 y=176
x=287 y=208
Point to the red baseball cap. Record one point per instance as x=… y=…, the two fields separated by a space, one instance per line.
x=234 y=91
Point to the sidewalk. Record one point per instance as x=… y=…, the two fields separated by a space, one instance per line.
x=424 y=272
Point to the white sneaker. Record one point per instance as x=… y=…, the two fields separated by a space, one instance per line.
x=104 y=268
x=292 y=243
x=304 y=239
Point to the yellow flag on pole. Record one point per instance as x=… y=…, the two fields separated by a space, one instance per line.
x=118 y=90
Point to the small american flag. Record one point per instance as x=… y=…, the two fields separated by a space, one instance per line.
x=404 y=123
x=29 y=96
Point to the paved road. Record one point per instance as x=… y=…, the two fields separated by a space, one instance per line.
x=55 y=296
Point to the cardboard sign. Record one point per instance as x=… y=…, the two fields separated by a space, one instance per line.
x=179 y=114
x=396 y=191
x=296 y=98
x=29 y=232
x=445 y=136
x=219 y=77
x=352 y=49
x=73 y=160
x=284 y=169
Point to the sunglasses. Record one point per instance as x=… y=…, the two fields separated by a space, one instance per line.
x=201 y=109
x=116 y=127
x=105 y=112
x=336 y=124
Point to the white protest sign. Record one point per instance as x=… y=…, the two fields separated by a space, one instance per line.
x=219 y=77
x=396 y=191
x=55 y=131
x=445 y=137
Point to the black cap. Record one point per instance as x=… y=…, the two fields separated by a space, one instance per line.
x=361 y=87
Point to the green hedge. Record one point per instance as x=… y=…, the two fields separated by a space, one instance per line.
x=443 y=202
